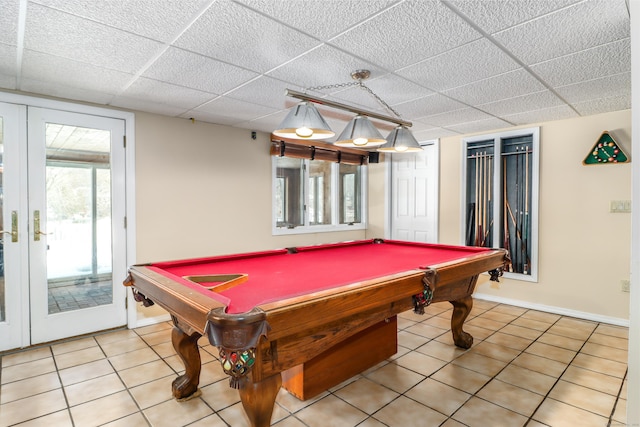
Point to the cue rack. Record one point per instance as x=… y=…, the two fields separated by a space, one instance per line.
x=498 y=198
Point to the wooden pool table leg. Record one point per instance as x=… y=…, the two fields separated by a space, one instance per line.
x=259 y=398
x=186 y=345
x=461 y=310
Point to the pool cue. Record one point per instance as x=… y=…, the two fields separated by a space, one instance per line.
x=487 y=232
x=477 y=223
x=526 y=212
x=519 y=205
x=485 y=199
x=506 y=241
x=482 y=206
x=515 y=219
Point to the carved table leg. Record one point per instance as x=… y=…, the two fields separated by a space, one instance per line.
x=186 y=386
x=461 y=309
x=258 y=399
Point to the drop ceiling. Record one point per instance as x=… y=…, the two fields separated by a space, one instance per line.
x=451 y=67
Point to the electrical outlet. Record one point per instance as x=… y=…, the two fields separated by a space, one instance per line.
x=624 y=285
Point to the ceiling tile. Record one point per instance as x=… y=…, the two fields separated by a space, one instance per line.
x=330 y=66
x=395 y=90
x=7 y=67
x=264 y=123
x=494 y=16
x=408 y=33
x=64 y=92
x=182 y=68
x=149 y=106
x=9 y=21
x=239 y=36
x=164 y=93
x=581 y=26
x=611 y=58
x=428 y=106
x=460 y=66
x=61 y=34
x=263 y=91
x=8 y=81
x=234 y=109
x=606 y=87
x=157 y=19
x=503 y=86
x=56 y=70
x=519 y=104
x=434 y=133
x=456 y=117
x=480 y=126
x=318 y=18
x=544 y=115
x=603 y=105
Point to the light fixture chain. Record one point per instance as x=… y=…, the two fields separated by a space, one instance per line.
x=380 y=100
x=333 y=86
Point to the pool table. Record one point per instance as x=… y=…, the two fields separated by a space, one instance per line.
x=271 y=312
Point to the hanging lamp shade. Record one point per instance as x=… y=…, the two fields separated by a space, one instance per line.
x=360 y=133
x=400 y=140
x=304 y=122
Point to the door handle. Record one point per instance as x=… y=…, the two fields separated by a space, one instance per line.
x=14 y=227
x=36 y=227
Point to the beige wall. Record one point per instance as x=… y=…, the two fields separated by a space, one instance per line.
x=203 y=189
x=584 y=250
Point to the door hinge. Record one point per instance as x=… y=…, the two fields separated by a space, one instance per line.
x=124 y=141
x=125 y=222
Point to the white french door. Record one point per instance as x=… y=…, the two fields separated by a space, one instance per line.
x=414 y=195
x=65 y=185
x=13 y=251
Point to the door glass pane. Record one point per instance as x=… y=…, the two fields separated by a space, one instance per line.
x=2 y=302
x=319 y=192
x=78 y=220
x=350 y=188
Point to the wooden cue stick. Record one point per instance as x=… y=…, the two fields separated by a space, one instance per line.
x=476 y=196
x=517 y=216
x=481 y=198
x=526 y=211
x=480 y=213
x=484 y=197
x=506 y=241
x=491 y=158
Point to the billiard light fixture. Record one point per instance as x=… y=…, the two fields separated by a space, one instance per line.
x=400 y=140
x=305 y=122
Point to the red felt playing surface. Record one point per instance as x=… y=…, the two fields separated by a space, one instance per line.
x=276 y=275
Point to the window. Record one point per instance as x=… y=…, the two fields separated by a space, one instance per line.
x=316 y=195
x=501 y=196
x=350 y=194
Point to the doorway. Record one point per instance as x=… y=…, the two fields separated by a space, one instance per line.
x=63 y=250
x=414 y=195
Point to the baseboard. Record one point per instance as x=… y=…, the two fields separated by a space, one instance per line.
x=555 y=310
x=148 y=321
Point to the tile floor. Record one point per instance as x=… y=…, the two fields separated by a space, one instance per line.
x=525 y=368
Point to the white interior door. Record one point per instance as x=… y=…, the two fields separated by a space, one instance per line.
x=414 y=195
x=76 y=208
